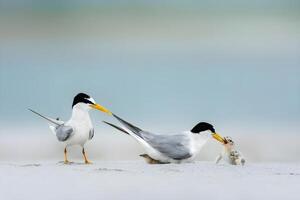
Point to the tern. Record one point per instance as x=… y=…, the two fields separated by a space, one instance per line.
x=78 y=129
x=175 y=148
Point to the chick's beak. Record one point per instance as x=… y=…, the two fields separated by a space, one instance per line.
x=218 y=137
x=101 y=108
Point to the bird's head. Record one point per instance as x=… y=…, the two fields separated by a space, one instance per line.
x=203 y=127
x=228 y=140
x=85 y=102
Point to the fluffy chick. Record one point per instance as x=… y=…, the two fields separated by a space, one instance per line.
x=229 y=154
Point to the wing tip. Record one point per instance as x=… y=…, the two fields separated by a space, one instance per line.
x=116 y=127
x=130 y=126
x=47 y=118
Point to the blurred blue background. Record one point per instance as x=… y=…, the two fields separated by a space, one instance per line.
x=165 y=65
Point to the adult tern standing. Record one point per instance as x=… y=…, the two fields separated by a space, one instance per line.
x=78 y=129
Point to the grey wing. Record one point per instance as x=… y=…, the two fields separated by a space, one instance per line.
x=173 y=146
x=91 y=134
x=63 y=132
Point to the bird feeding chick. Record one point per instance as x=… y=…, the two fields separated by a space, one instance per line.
x=229 y=154
x=170 y=148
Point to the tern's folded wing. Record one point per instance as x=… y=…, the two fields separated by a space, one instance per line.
x=173 y=146
x=63 y=132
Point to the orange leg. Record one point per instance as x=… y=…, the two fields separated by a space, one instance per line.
x=85 y=158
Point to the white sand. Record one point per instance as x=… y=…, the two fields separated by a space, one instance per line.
x=137 y=180
x=29 y=170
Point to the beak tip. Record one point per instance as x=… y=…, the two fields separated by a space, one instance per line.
x=219 y=138
x=101 y=108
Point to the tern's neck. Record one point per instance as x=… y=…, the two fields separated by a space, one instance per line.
x=198 y=140
x=80 y=114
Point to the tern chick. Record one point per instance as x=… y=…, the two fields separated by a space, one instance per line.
x=230 y=154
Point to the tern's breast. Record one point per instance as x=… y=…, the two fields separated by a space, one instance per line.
x=81 y=132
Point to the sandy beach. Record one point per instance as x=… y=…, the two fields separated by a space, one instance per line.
x=30 y=169
x=137 y=180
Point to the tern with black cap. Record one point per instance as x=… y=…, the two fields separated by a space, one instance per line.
x=78 y=129
x=175 y=148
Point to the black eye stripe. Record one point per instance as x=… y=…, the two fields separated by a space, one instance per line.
x=88 y=101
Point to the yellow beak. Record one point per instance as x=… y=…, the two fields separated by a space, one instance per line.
x=101 y=108
x=218 y=137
